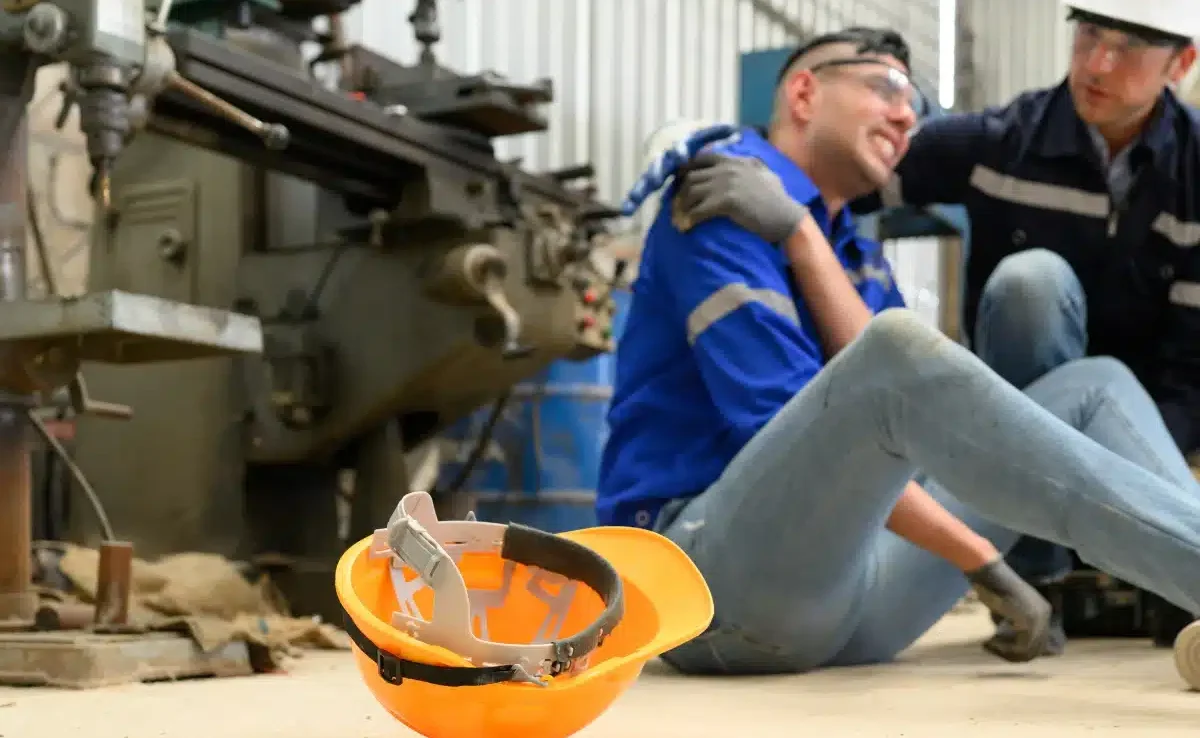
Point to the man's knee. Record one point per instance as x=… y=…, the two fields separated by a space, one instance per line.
x=1033 y=283
x=1032 y=317
x=899 y=337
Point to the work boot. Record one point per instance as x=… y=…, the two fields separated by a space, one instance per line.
x=1006 y=634
x=1187 y=655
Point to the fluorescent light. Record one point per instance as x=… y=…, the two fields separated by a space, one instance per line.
x=947 y=36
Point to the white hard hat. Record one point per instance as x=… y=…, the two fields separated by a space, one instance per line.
x=1178 y=17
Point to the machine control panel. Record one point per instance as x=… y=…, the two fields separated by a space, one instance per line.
x=595 y=313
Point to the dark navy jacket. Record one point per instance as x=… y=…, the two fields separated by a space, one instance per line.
x=1030 y=176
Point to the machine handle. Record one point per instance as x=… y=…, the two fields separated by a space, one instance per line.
x=274 y=135
x=83 y=404
x=110 y=410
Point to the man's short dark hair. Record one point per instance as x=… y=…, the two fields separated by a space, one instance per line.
x=881 y=41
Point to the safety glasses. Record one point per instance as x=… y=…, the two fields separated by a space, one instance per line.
x=892 y=85
x=1120 y=49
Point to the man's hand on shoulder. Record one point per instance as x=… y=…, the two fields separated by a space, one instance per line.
x=742 y=189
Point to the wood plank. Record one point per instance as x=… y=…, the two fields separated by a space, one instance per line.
x=83 y=660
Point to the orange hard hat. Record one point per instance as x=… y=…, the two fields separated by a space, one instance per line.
x=465 y=629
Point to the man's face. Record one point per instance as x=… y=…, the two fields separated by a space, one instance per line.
x=861 y=113
x=1115 y=78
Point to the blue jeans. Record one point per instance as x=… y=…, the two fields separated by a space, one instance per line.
x=792 y=538
x=1032 y=319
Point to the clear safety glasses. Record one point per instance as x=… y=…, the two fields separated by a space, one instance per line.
x=892 y=85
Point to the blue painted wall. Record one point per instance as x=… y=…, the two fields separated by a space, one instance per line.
x=757 y=84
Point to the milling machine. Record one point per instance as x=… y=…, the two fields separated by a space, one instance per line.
x=403 y=275
x=44 y=342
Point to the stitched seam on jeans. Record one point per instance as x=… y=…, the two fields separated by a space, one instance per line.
x=1147 y=448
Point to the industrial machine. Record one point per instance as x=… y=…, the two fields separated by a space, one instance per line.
x=401 y=274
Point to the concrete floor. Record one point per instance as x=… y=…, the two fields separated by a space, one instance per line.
x=945 y=686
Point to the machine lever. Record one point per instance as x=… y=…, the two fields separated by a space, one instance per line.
x=493 y=292
x=83 y=404
x=159 y=23
x=473 y=272
x=274 y=135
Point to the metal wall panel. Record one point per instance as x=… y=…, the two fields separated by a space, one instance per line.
x=1009 y=47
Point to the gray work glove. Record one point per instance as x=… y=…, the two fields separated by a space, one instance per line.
x=1028 y=613
x=740 y=188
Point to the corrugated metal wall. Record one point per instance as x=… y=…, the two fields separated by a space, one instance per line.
x=1010 y=46
x=622 y=68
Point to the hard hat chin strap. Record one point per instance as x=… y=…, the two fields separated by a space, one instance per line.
x=394 y=670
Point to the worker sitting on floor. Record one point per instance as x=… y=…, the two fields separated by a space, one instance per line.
x=770 y=425
x=1084 y=222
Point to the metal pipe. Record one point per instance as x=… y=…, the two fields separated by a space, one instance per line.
x=64 y=616
x=114 y=583
x=18 y=601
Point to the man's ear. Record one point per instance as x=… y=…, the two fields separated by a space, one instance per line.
x=1182 y=64
x=796 y=94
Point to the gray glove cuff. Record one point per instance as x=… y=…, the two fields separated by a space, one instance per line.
x=779 y=226
x=997 y=576
x=1003 y=591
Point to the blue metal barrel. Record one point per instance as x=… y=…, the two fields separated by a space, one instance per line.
x=543 y=464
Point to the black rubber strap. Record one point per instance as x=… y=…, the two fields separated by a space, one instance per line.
x=532 y=547
x=394 y=670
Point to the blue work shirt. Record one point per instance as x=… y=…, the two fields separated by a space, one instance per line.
x=717 y=341
x=1030 y=176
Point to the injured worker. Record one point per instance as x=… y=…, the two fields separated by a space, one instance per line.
x=775 y=401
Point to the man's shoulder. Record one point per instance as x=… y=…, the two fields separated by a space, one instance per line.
x=753 y=144
x=745 y=144
x=1024 y=108
x=1013 y=122
x=1187 y=126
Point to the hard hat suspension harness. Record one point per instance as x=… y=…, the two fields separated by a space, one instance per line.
x=414 y=539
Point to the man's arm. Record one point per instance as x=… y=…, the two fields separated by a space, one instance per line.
x=841 y=315
x=937 y=169
x=837 y=309
x=1178 y=394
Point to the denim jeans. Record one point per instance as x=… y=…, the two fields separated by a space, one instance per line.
x=1032 y=319
x=792 y=538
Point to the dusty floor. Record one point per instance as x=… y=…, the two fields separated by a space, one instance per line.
x=944 y=687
